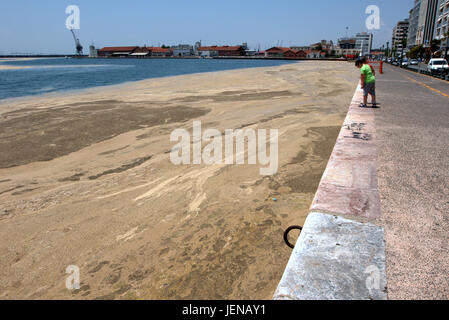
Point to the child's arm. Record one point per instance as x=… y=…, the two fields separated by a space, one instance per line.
x=362 y=80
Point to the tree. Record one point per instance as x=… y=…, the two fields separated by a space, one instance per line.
x=404 y=44
x=434 y=45
x=416 y=52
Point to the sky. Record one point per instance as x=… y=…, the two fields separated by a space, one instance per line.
x=39 y=27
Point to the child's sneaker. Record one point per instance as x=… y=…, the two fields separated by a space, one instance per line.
x=362 y=105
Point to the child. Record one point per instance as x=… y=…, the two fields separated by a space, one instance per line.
x=368 y=82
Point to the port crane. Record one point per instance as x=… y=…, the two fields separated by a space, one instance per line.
x=79 y=47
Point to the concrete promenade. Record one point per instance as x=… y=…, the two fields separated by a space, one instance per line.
x=340 y=254
x=413 y=174
x=378 y=226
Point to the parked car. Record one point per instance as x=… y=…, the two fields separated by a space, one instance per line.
x=413 y=62
x=437 y=65
x=395 y=63
x=405 y=62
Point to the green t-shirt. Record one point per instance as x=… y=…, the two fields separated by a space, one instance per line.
x=369 y=76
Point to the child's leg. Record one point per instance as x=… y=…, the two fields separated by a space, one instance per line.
x=373 y=93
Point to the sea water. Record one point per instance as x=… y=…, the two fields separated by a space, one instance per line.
x=48 y=75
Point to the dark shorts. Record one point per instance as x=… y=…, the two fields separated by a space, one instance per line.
x=370 y=88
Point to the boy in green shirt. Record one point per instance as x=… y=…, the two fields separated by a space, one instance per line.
x=368 y=82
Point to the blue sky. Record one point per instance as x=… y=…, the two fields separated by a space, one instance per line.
x=30 y=26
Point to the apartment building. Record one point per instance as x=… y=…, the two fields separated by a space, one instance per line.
x=442 y=20
x=400 y=33
x=364 y=42
x=426 y=22
x=413 y=24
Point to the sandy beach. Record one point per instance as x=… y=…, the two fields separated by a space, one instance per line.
x=9 y=67
x=86 y=180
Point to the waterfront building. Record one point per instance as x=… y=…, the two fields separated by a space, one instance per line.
x=302 y=48
x=276 y=52
x=315 y=54
x=183 y=50
x=196 y=47
x=346 y=43
x=295 y=54
x=221 y=51
x=93 y=53
x=413 y=24
x=141 y=52
x=442 y=20
x=116 y=51
x=160 y=52
x=364 y=42
x=324 y=44
x=426 y=22
x=348 y=53
x=400 y=34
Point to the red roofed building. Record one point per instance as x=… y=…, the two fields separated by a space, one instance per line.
x=295 y=54
x=160 y=52
x=281 y=52
x=116 y=51
x=140 y=52
x=221 y=51
x=315 y=54
x=276 y=52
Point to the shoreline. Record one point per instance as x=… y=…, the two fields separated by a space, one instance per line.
x=81 y=91
x=93 y=184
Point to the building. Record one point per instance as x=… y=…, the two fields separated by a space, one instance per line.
x=426 y=22
x=400 y=35
x=324 y=45
x=141 y=52
x=364 y=42
x=346 y=43
x=315 y=54
x=302 y=48
x=160 y=52
x=413 y=24
x=347 y=53
x=276 y=52
x=93 y=53
x=295 y=54
x=116 y=51
x=196 y=47
x=182 y=50
x=221 y=51
x=442 y=20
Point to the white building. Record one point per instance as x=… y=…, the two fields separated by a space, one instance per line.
x=442 y=20
x=400 y=34
x=93 y=53
x=364 y=42
x=413 y=24
x=182 y=50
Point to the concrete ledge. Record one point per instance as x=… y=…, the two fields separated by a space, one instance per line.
x=340 y=258
x=349 y=183
x=335 y=259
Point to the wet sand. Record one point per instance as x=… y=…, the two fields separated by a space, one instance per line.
x=86 y=180
x=9 y=67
